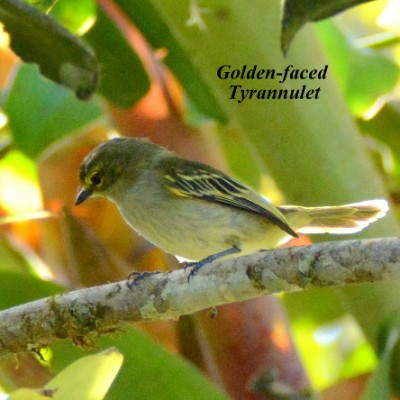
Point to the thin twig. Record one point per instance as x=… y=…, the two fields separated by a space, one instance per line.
x=83 y=314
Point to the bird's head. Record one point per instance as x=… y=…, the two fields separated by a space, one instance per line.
x=111 y=167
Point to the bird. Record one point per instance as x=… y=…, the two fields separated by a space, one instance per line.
x=198 y=213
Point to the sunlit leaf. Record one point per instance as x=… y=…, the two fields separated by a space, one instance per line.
x=41 y=112
x=18 y=178
x=88 y=378
x=38 y=38
x=362 y=74
x=362 y=360
x=43 y=5
x=41 y=214
x=76 y=15
x=30 y=394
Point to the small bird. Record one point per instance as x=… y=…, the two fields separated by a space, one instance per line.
x=198 y=213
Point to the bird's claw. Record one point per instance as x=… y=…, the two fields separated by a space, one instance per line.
x=135 y=277
x=195 y=266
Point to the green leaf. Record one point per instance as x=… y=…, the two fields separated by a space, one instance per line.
x=315 y=306
x=363 y=75
x=384 y=127
x=18 y=174
x=74 y=15
x=296 y=13
x=149 y=371
x=379 y=385
x=61 y=57
x=43 y=5
x=152 y=24
x=124 y=80
x=10 y=258
x=88 y=378
x=16 y=288
x=41 y=112
x=29 y=394
x=237 y=153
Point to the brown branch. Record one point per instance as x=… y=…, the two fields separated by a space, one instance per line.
x=85 y=313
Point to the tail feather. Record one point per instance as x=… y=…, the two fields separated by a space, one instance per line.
x=345 y=219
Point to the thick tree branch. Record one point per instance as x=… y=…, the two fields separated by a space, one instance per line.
x=85 y=313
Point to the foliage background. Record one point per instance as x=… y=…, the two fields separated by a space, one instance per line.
x=157 y=62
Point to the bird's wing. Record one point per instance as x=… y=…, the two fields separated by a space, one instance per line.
x=199 y=181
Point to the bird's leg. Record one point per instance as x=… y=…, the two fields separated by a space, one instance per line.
x=199 y=264
x=135 y=277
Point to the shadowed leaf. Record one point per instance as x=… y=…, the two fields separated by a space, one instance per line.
x=124 y=80
x=297 y=13
x=61 y=56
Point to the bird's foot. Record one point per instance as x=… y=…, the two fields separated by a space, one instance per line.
x=135 y=277
x=195 y=266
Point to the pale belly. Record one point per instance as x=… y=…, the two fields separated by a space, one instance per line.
x=192 y=229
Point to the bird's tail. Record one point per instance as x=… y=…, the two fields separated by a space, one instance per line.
x=344 y=219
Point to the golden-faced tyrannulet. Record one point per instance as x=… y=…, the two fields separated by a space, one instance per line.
x=193 y=211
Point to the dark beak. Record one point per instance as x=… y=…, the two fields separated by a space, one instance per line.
x=82 y=196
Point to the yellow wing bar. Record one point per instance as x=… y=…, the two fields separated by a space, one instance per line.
x=208 y=184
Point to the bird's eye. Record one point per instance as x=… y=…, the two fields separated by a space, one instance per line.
x=96 y=179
